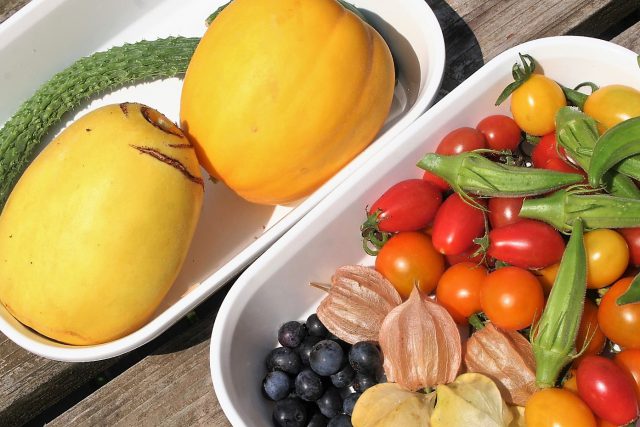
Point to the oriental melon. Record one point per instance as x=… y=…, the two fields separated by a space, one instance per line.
x=97 y=228
x=281 y=94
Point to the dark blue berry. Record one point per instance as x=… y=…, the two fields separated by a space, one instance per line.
x=276 y=385
x=309 y=385
x=315 y=327
x=291 y=334
x=330 y=403
x=340 y=420
x=326 y=357
x=365 y=357
x=284 y=359
x=349 y=403
x=304 y=349
x=318 y=420
x=344 y=377
x=363 y=382
x=290 y=412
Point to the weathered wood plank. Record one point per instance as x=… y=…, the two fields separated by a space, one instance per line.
x=630 y=38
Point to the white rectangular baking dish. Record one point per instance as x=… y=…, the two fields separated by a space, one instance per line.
x=275 y=288
x=46 y=36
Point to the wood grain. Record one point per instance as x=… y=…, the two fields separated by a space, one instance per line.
x=168 y=382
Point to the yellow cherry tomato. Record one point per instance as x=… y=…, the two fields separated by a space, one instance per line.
x=613 y=104
x=534 y=105
x=607 y=257
x=556 y=407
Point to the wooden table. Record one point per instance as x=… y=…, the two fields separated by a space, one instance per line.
x=167 y=381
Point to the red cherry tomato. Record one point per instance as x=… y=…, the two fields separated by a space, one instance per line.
x=458 y=290
x=408 y=259
x=501 y=132
x=504 y=210
x=512 y=298
x=456 y=224
x=527 y=244
x=607 y=389
x=547 y=149
x=632 y=236
x=470 y=255
x=434 y=179
x=407 y=206
x=461 y=140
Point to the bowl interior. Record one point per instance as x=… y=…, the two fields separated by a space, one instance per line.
x=275 y=288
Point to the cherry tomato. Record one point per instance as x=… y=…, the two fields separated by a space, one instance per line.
x=546 y=276
x=527 y=244
x=607 y=257
x=620 y=323
x=629 y=361
x=590 y=330
x=470 y=255
x=632 y=237
x=534 y=105
x=545 y=150
x=613 y=104
x=501 y=132
x=604 y=423
x=511 y=298
x=461 y=140
x=434 y=179
x=607 y=389
x=570 y=382
x=456 y=224
x=408 y=259
x=559 y=165
x=407 y=206
x=555 y=407
x=504 y=210
x=458 y=290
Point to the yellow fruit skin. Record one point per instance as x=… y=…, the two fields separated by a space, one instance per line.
x=97 y=228
x=281 y=94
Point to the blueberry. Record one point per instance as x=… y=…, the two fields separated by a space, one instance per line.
x=344 y=377
x=290 y=412
x=341 y=420
x=276 y=385
x=318 y=420
x=304 y=349
x=326 y=357
x=365 y=357
x=309 y=385
x=330 y=403
x=315 y=326
x=291 y=334
x=363 y=382
x=284 y=359
x=349 y=403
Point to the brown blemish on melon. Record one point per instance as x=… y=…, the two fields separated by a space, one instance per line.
x=160 y=121
x=175 y=163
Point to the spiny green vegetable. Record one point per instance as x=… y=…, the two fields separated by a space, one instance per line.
x=554 y=337
x=577 y=133
x=618 y=143
x=103 y=71
x=563 y=207
x=472 y=173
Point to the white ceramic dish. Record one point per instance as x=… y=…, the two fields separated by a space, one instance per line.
x=275 y=288
x=46 y=36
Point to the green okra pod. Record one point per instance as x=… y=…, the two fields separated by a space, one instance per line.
x=554 y=337
x=617 y=144
x=577 y=133
x=472 y=173
x=561 y=209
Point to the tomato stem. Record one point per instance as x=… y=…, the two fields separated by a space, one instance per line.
x=520 y=75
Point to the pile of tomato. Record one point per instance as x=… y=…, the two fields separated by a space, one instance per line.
x=481 y=261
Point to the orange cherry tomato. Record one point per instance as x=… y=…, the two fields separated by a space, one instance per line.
x=556 y=407
x=607 y=257
x=570 y=383
x=409 y=259
x=535 y=103
x=458 y=290
x=629 y=360
x=589 y=329
x=613 y=104
x=620 y=323
x=546 y=276
x=512 y=298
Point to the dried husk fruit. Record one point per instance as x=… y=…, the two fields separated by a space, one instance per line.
x=507 y=358
x=421 y=344
x=358 y=301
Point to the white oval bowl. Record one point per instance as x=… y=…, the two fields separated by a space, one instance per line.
x=275 y=289
x=46 y=36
